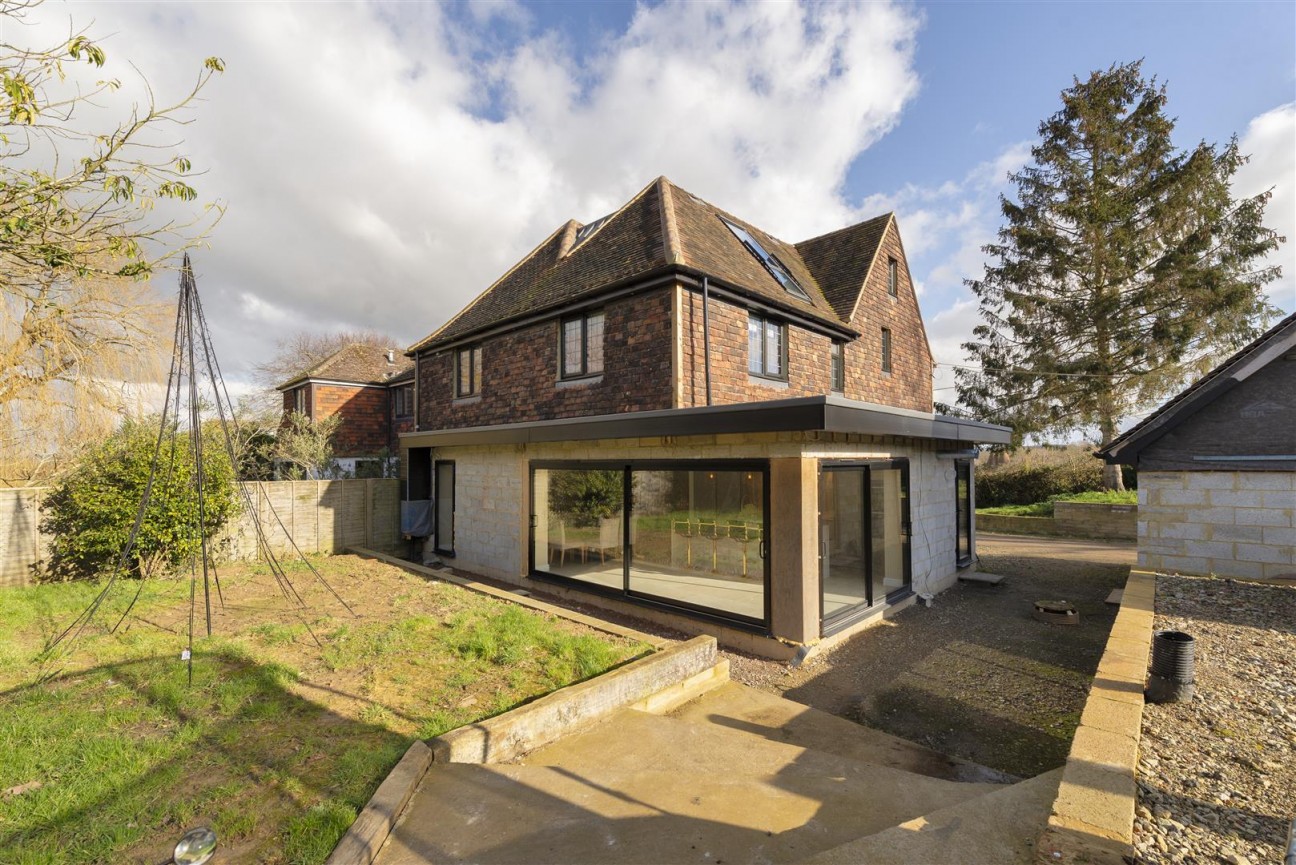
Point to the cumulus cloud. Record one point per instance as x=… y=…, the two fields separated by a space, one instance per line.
x=1270 y=140
x=382 y=164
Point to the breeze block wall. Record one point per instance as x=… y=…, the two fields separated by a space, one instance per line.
x=1236 y=524
x=520 y=372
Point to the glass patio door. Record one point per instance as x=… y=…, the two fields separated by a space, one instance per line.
x=864 y=538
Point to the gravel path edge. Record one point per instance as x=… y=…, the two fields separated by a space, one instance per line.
x=1092 y=818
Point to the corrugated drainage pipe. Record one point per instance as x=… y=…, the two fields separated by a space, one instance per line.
x=1173 y=678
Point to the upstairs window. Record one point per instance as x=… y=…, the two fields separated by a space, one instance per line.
x=299 y=400
x=772 y=264
x=886 y=349
x=893 y=277
x=838 y=356
x=581 y=348
x=403 y=401
x=766 y=347
x=468 y=371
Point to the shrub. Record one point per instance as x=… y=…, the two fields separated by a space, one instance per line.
x=1030 y=483
x=586 y=496
x=92 y=508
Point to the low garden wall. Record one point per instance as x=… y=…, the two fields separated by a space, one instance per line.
x=318 y=516
x=1070 y=520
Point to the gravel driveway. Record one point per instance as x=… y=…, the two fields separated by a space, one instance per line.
x=1217 y=775
x=975 y=676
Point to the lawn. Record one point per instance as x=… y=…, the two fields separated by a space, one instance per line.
x=293 y=718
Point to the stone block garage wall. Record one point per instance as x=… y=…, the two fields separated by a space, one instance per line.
x=1238 y=524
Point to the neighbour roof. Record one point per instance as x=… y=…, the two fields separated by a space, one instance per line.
x=801 y=414
x=356 y=363
x=1273 y=343
x=667 y=228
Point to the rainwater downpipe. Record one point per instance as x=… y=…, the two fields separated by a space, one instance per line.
x=706 y=337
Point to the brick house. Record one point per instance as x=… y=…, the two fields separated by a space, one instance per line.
x=373 y=391
x=1217 y=467
x=670 y=412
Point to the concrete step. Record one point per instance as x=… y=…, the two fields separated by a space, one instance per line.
x=644 y=788
x=1000 y=827
x=756 y=713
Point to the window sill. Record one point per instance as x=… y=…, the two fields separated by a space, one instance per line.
x=581 y=381
x=778 y=383
x=466 y=400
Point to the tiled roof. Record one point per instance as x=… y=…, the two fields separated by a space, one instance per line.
x=1181 y=406
x=664 y=227
x=840 y=260
x=356 y=363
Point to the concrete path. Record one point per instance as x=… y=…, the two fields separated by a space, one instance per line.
x=736 y=776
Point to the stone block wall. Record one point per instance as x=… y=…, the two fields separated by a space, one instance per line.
x=1092 y=520
x=1238 y=524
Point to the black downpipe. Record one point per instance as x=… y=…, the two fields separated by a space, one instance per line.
x=706 y=336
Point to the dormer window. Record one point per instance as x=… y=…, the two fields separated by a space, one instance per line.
x=772 y=264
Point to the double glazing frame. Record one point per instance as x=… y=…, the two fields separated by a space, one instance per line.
x=627 y=593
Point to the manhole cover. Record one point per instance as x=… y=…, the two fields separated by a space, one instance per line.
x=1057 y=612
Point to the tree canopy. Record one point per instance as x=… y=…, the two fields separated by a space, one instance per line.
x=88 y=207
x=1123 y=267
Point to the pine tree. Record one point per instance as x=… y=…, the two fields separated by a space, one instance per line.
x=1124 y=267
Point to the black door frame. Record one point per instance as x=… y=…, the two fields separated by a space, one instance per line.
x=848 y=616
x=441 y=548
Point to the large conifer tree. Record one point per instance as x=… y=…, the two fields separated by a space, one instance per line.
x=1124 y=267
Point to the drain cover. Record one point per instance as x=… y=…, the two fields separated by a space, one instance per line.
x=1057 y=612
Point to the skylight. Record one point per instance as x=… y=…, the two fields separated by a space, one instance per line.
x=585 y=231
x=772 y=264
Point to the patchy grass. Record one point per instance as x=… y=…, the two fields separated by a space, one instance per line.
x=293 y=718
x=1038 y=509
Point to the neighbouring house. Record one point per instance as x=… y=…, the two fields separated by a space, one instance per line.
x=372 y=389
x=1217 y=467
x=671 y=413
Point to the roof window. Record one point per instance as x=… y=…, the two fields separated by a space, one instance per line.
x=772 y=264
x=583 y=233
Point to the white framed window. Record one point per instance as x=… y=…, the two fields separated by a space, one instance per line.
x=766 y=347
x=468 y=371
x=580 y=349
x=299 y=400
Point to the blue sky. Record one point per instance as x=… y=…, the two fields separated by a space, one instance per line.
x=382 y=163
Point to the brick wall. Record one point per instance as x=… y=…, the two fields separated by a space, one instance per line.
x=1237 y=524
x=365 y=429
x=520 y=372
x=910 y=383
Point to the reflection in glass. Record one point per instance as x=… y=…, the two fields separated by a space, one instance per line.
x=887 y=496
x=579 y=522
x=841 y=530
x=696 y=538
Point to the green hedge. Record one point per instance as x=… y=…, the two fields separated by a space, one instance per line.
x=1027 y=484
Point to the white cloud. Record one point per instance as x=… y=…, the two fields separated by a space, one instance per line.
x=1270 y=140
x=383 y=164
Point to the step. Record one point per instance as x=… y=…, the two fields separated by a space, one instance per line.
x=979 y=577
x=1000 y=827
x=758 y=713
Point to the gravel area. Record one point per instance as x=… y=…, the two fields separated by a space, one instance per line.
x=1217 y=775
x=974 y=676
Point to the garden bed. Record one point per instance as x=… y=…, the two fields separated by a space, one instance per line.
x=292 y=721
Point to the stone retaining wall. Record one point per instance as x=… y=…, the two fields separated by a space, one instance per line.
x=1070 y=519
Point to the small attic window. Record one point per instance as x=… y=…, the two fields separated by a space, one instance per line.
x=583 y=233
x=772 y=264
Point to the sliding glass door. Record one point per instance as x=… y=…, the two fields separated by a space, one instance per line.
x=864 y=537
x=686 y=535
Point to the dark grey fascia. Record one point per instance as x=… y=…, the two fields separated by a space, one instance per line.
x=801 y=414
